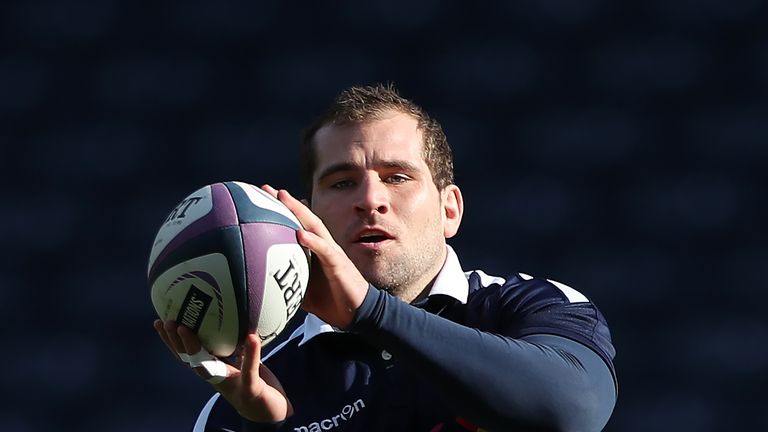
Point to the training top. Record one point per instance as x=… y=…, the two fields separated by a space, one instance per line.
x=480 y=353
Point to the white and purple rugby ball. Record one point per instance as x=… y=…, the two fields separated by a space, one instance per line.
x=226 y=262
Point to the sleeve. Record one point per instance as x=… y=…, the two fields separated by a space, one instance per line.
x=494 y=380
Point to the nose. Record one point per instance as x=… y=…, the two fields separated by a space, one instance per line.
x=373 y=196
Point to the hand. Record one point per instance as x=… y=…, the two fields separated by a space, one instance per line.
x=252 y=390
x=336 y=287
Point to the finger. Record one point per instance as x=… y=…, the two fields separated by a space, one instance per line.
x=308 y=220
x=324 y=250
x=211 y=365
x=251 y=359
x=171 y=332
x=158 y=325
x=160 y=329
x=189 y=339
x=269 y=189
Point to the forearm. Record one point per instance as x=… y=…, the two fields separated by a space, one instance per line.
x=494 y=380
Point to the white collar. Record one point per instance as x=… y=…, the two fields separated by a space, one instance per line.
x=451 y=281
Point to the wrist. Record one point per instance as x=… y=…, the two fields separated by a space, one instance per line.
x=368 y=309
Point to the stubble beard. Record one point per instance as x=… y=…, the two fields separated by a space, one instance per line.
x=407 y=273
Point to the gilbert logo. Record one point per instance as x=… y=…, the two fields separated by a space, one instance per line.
x=347 y=411
x=180 y=212
x=193 y=308
x=290 y=284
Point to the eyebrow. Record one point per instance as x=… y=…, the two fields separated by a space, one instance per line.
x=403 y=165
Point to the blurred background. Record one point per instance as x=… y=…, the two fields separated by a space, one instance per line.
x=618 y=147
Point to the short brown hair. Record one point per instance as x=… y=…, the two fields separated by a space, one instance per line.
x=364 y=103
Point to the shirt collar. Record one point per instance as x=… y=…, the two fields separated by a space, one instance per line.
x=451 y=281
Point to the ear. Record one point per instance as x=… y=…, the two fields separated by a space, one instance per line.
x=453 y=209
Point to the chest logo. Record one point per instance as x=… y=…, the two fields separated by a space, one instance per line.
x=347 y=411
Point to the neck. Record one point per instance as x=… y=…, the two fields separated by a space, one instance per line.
x=420 y=295
x=421 y=289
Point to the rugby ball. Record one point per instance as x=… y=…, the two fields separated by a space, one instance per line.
x=226 y=262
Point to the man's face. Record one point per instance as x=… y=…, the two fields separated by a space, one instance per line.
x=375 y=193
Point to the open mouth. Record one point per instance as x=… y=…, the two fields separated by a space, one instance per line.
x=373 y=238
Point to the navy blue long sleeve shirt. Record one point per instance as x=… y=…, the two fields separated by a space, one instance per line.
x=481 y=353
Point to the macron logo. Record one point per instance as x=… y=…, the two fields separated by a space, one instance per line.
x=330 y=423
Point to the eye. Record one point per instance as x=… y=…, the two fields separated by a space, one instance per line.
x=342 y=184
x=397 y=179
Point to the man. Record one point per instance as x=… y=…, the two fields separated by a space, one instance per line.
x=398 y=337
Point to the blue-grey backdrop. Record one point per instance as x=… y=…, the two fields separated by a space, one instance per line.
x=619 y=147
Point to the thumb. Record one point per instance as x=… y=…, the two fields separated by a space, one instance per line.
x=251 y=359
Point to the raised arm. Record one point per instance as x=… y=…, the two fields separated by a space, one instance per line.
x=540 y=381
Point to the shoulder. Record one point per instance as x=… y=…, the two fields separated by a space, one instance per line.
x=522 y=289
x=522 y=305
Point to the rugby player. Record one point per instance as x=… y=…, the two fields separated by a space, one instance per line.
x=398 y=337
